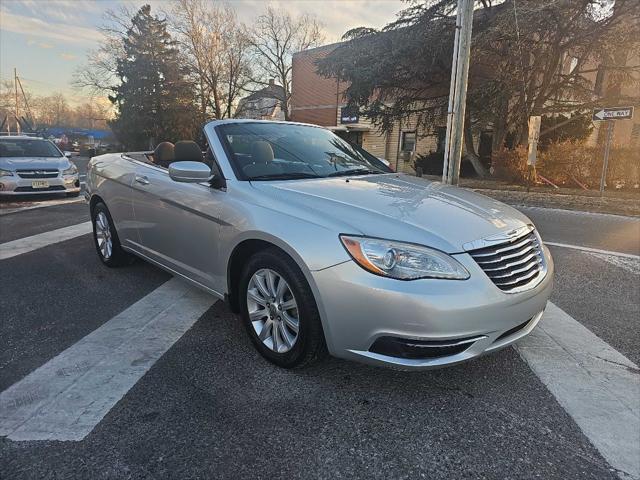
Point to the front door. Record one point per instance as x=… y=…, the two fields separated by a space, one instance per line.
x=118 y=190
x=177 y=223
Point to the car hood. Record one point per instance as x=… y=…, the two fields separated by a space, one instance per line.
x=398 y=207
x=36 y=163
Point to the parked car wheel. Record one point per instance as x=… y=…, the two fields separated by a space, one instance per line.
x=279 y=311
x=106 y=238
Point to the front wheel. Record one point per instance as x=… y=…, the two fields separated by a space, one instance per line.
x=106 y=238
x=279 y=311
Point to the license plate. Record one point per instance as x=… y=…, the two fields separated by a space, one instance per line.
x=39 y=184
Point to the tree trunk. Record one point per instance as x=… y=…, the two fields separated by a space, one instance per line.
x=500 y=125
x=469 y=151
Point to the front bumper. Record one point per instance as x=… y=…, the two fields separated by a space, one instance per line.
x=365 y=317
x=14 y=185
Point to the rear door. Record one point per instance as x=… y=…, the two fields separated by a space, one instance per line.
x=177 y=223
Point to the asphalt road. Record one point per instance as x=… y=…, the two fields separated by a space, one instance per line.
x=211 y=407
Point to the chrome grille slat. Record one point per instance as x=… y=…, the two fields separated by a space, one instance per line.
x=496 y=251
x=502 y=258
x=518 y=279
x=513 y=265
x=511 y=273
x=38 y=173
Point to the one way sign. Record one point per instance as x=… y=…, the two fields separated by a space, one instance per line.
x=612 y=113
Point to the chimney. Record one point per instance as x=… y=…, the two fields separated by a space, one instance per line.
x=272 y=82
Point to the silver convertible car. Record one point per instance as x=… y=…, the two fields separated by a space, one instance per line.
x=320 y=247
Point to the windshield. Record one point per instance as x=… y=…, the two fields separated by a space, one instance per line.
x=28 y=148
x=270 y=151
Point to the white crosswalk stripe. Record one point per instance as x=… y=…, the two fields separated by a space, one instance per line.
x=68 y=396
x=596 y=385
x=41 y=204
x=34 y=242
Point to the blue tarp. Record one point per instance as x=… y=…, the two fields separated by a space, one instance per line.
x=78 y=132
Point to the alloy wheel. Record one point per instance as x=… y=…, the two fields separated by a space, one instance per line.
x=103 y=235
x=273 y=310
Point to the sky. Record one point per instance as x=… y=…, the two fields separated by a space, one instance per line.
x=47 y=40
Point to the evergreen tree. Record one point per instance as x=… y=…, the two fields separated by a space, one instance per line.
x=155 y=101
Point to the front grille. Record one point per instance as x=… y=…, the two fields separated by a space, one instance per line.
x=514 y=264
x=46 y=173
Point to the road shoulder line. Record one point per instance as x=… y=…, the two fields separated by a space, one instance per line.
x=593 y=250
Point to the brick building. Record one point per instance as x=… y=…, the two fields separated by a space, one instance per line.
x=319 y=100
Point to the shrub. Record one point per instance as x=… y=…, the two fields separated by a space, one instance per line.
x=431 y=164
x=561 y=162
x=510 y=164
x=565 y=162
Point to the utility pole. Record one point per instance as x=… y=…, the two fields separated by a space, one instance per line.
x=15 y=81
x=458 y=92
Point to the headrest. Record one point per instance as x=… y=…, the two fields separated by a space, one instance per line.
x=261 y=152
x=188 y=151
x=163 y=154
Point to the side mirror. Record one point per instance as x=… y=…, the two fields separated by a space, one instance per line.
x=67 y=154
x=189 y=172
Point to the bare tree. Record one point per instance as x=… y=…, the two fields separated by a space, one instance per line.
x=217 y=50
x=275 y=37
x=99 y=74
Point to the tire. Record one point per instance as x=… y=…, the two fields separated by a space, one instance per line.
x=114 y=256
x=309 y=345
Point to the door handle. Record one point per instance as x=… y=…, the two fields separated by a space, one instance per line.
x=141 y=179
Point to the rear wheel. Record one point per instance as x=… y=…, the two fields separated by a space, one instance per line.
x=279 y=310
x=106 y=238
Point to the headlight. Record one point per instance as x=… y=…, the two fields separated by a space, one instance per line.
x=5 y=173
x=403 y=261
x=72 y=170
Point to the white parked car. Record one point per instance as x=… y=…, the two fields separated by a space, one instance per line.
x=30 y=165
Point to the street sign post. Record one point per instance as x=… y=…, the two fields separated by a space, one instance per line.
x=534 y=136
x=609 y=114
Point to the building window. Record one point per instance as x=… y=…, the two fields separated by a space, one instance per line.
x=408 y=142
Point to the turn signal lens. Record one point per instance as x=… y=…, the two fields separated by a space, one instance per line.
x=402 y=261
